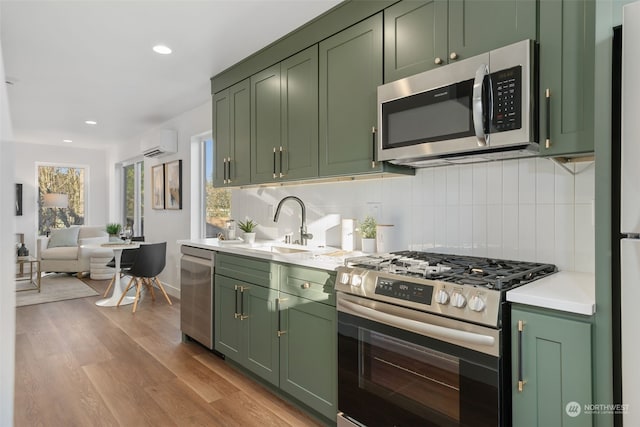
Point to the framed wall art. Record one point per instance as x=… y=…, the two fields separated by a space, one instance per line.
x=157 y=186
x=173 y=185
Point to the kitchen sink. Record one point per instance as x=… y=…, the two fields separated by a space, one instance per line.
x=288 y=250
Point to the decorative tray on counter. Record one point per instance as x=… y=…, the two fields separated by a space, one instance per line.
x=230 y=242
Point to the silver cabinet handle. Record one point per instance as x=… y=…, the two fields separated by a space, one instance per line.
x=242 y=315
x=235 y=311
x=224 y=170
x=453 y=56
x=228 y=170
x=305 y=285
x=278 y=309
x=281 y=150
x=373 y=144
x=438 y=60
x=478 y=105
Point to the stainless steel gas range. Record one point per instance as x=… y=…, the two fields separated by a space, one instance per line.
x=423 y=339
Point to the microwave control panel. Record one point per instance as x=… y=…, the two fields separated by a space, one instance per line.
x=507 y=99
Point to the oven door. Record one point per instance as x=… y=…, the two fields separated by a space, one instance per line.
x=400 y=367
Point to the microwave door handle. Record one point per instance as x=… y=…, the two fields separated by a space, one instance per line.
x=477 y=105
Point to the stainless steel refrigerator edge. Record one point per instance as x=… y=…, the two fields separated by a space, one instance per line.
x=196 y=294
x=630 y=215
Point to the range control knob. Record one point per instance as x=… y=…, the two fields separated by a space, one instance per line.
x=476 y=303
x=344 y=278
x=458 y=300
x=442 y=297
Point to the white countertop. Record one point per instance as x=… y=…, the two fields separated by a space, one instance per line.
x=564 y=291
x=321 y=257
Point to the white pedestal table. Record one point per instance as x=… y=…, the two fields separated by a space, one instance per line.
x=112 y=301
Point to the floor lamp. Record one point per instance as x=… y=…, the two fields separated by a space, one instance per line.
x=55 y=201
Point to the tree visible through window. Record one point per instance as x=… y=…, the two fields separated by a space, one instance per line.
x=61 y=180
x=133 y=212
x=217 y=200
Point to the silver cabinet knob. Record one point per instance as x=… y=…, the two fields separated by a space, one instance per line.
x=305 y=285
x=453 y=55
x=438 y=60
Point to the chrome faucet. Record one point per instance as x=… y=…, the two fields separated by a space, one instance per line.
x=304 y=236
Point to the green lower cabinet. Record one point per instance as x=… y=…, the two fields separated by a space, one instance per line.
x=551 y=376
x=246 y=324
x=308 y=353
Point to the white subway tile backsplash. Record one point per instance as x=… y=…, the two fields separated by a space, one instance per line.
x=510 y=173
x=479 y=183
x=545 y=181
x=527 y=209
x=527 y=181
x=585 y=182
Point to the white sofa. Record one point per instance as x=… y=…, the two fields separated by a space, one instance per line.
x=69 y=250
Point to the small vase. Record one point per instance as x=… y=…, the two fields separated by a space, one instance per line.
x=23 y=251
x=368 y=245
x=250 y=238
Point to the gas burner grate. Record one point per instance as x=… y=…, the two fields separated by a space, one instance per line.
x=463 y=270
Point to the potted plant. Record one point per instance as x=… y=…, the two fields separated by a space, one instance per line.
x=247 y=227
x=114 y=231
x=367 y=231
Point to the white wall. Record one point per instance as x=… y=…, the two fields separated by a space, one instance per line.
x=171 y=225
x=528 y=209
x=7 y=254
x=97 y=181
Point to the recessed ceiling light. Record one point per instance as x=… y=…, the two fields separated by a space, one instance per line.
x=91 y=122
x=161 y=49
x=67 y=140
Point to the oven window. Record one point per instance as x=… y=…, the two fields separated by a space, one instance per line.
x=392 y=377
x=410 y=376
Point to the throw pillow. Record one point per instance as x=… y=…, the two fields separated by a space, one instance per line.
x=64 y=237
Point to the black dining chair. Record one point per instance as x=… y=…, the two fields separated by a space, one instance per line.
x=126 y=261
x=149 y=263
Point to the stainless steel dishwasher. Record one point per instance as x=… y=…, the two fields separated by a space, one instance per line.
x=196 y=294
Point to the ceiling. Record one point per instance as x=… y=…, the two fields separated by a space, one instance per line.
x=71 y=61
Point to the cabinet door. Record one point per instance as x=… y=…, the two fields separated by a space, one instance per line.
x=567 y=71
x=259 y=327
x=308 y=353
x=415 y=37
x=556 y=368
x=299 y=85
x=266 y=137
x=231 y=135
x=350 y=72
x=227 y=325
x=477 y=26
x=221 y=135
x=239 y=172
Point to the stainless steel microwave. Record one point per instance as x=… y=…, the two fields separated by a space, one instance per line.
x=479 y=109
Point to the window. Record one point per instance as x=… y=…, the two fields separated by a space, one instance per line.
x=133 y=192
x=61 y=197
x=217 y=201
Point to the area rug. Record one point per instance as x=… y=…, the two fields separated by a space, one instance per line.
x=55 y=287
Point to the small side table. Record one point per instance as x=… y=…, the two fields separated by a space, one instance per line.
x=33 y=276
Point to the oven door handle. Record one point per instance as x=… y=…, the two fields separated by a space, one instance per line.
x=434 y=331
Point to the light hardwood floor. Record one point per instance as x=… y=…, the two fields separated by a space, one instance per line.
x=78 y=364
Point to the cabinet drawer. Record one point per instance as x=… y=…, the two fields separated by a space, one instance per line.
x=316 y=285
x=249 y=270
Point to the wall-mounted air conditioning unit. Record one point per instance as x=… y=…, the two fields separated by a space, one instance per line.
x=160 y=143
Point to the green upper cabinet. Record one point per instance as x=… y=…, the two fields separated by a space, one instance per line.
x=415 y=34
x=231 y=135
x=284 y=119
x=555 y=365
x=567 y=57
x=299 y=96
x=266 y=136
x=350 y=73
x=421 y=35
x=477 y=26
